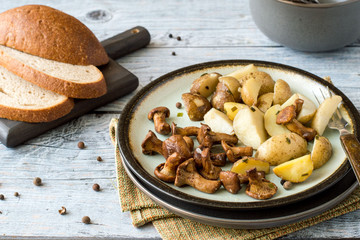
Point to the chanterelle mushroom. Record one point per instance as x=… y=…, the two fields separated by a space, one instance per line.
x=235 y=153
x=186 y=131
x=207 y=138
x=186 y=174
x=258 y=187
x=167 y=171
x=176 y=143
x=217 y=159
x=208 y=170
x=151 y=144
x=287 y=117
x=231 y=181
x=159 y=114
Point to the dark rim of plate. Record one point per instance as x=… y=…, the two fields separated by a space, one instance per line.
x=136 y=168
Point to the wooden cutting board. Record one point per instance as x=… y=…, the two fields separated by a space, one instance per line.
x=119 y=83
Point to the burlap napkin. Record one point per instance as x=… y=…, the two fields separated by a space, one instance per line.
x=143 y=210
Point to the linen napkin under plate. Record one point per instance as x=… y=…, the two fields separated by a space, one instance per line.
x=143 y=210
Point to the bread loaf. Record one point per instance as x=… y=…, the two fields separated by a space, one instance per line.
x=73 y=81
x=49 y=33
x=21 y=100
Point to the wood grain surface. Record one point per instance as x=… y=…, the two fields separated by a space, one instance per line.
x=210 y=30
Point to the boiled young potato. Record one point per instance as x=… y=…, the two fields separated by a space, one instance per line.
x=265 y=101
x=250 y=91
x=232 y=108
x=308 y=109
x=196 y=106
x=242 y=72
x=282 y=92
x=248 y=125
x=321 y=151
x=219 y=122
x=297 y=170
x=221 y=96
x=281 y=148
x=324 y=113
x=271 y=126
x=242 y=165
x=233 y=85
x=206 y=84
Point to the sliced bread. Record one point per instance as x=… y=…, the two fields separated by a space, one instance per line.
x=52 y=34
x=75 y=81
x=21 y=100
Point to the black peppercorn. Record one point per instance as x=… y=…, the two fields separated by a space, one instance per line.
x=178 y=38
x=16 y=194
x=2 y=197
x=170 y=35
x=99 y=159
x=178 y=105
x=173 y=53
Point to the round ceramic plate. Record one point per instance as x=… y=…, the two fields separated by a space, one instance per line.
x=254 y=218
x=167 y=90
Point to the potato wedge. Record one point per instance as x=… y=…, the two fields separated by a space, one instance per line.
x=206 y=84
x=296 y=171
x=242 y=165
x=281 y=148
x=265 y=101
x=282 y=92
x=270 y=124
x=221 y=96
x=242 y=72
x=196 y=106
x=219 y=122
x=321 y=151
x=232 y=108
x=248 y=125
x=250 y=91
x=324 y=113
x=233 y=85
x=308 y=109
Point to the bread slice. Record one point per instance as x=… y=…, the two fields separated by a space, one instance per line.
x=49 y=33
x=21 y=100
x=73 y=81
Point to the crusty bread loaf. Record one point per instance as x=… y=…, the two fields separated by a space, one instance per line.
x=49 y=33
x=73 y=81
x=21 y=100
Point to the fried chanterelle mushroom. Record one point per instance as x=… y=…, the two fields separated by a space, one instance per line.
x=158 y=115
x=186 y=174
x=287 y=117
x=259 y=187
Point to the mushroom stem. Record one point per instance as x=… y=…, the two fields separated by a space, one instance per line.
x=151 y=144
x=186 y=174
x=186 y=131
x=235 y=153
x=258 y=187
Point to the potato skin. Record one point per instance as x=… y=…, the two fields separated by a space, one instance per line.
x=281 y=148
x=205 y=85
x=282 y=92
x=196 y=106
x=321 y=152
x=221 y=96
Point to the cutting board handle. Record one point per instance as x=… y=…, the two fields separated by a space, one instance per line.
x=126 y=42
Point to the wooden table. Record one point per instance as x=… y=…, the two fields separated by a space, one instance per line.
x=209 y=30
